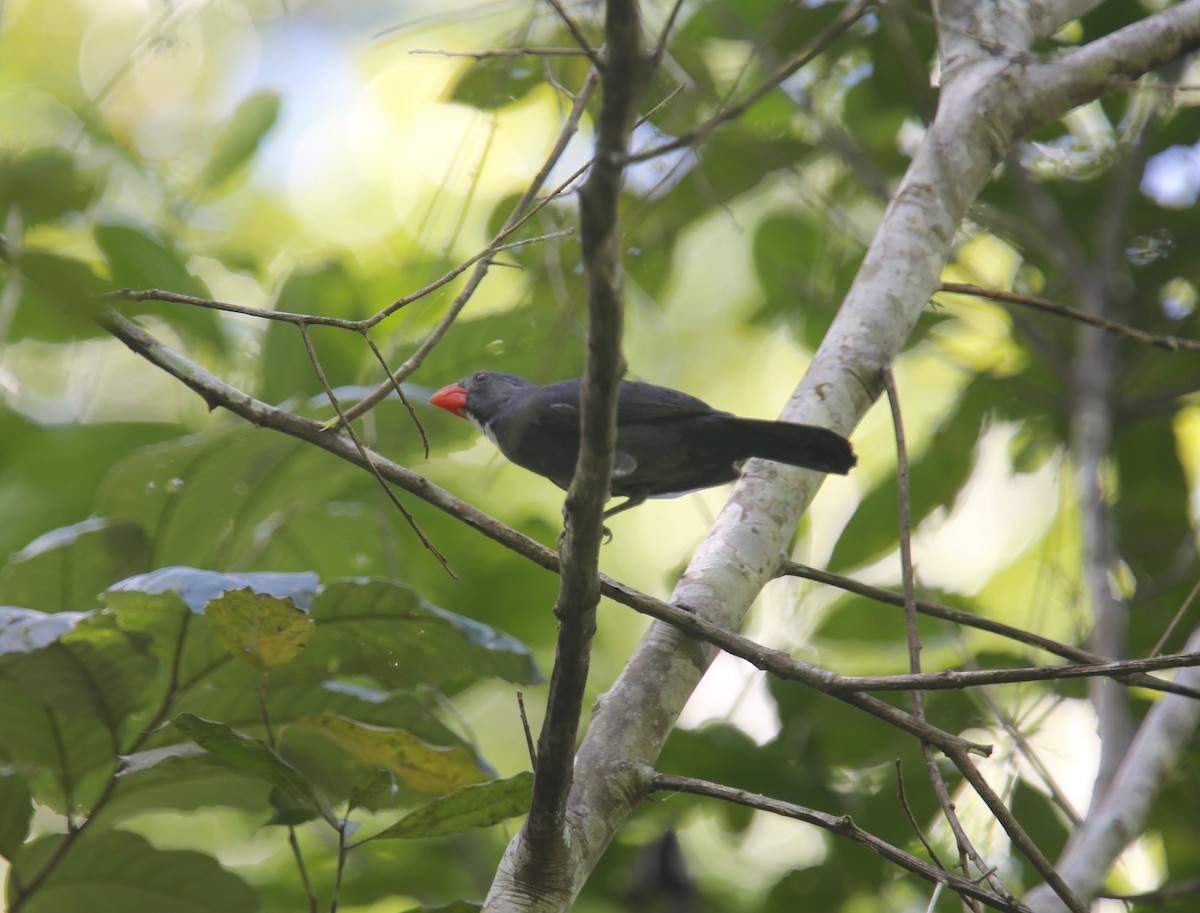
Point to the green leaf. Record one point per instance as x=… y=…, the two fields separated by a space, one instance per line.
x=55 y=293
x=257 y=628
x=192 y=496
x=139 y=259
x=287 y=811
x=147 y=760
x=240 y=139
x=385 y=630
x=60 y=754
x=94 y=671
x=464 y=809
x=44 y=185
x=181 y=777
x=369 y=786
x=66 y=568
x=252 y=756
x=493 y=83
x=16 y=811
x=119 y=872
x=44 y=482
x=197 y=588
x=417 y=764
x=26 y=630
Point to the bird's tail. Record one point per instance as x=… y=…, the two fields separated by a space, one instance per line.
x=809 y=446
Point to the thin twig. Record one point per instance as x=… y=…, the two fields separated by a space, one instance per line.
x=954 y=680
x=966 y=849
x=1191 y=597
x=366 y=457
x=528 y=732
x=661 y=47
x=967 y=619
x=1170 y=343
x=841 y=826
x=847 y=18
x=412 y=413
x=504 y=52
x=912 y=819
x=577 y=34
x=305 y=881
x=545 y=833
x=157 y=294
x=517 y=218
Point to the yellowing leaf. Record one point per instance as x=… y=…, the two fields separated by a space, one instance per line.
x=259 y=629
x=427 y=768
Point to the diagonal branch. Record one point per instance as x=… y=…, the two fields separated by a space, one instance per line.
x=840 y=826
x=1170 y=343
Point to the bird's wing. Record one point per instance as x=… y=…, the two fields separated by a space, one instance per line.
x=638 y=402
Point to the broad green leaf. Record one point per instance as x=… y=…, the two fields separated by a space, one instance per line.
x=44 y=484
x=55 y=293
x=427 y=768
x=287 y=811
x=497 y=82
x=239 y=140
x=181 y=777
x=464 y=809
x=250 y=755
x=16 y=811
x=141 y=261
x=385 y=630
x=209 y=499
x=95 y=671
x=119 y=872
x=148 y=259
x=44 y=185
x=61 y=754
x=197 y=588
x=369 y=786
x=147 y=760
x=67 y=568
x=26 y=630
x=257 y=628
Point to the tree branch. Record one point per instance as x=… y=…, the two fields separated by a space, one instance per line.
x=1118 y=817
x=539 y=859
x=840 y=826
x=969 y=620
x=1170 y=343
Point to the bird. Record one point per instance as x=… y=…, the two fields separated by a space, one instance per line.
x=668 y=442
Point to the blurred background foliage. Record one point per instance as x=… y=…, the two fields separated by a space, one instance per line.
x=303 y=156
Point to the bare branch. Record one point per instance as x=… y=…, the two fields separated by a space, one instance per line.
x=544 y=840
x=967 y=619
x=577 y=34
x=1170 y=343
x=847 y=18
x=841 y=826
x=1167 y=729
x=366 y=457
x=504 y=52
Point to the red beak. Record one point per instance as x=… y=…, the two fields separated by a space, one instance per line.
x=452 y=398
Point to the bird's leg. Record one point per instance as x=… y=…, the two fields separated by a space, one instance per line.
x=631 y=501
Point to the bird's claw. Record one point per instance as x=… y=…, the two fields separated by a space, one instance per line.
x=562 y=537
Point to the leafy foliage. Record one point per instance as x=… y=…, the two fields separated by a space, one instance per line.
x=201 y=621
